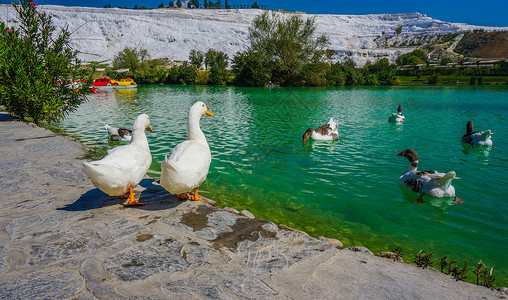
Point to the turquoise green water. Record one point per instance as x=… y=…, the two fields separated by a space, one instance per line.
x=347 y=189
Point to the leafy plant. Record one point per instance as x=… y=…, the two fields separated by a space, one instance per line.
x=484 y=276
x=443 y=262
x=41 y=79
x=422 y=259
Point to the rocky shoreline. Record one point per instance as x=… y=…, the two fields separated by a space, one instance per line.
x=60 y=237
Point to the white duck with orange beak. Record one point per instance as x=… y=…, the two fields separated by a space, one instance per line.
x=187 y=166
x=124 y=166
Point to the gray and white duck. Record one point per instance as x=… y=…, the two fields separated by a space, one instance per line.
x=397 y=117
x=119 y=134
x=327 y=132
x=476 y=138
x=431 y=183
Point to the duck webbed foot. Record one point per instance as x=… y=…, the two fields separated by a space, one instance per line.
x=131 y=201
x=419 y=200
x=184 y=196
x=196 y=197
x=457 y=200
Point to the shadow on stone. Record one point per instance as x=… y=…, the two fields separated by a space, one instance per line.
x=90 y=200
x=5 y=117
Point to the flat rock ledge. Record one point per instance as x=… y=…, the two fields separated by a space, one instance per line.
x=60 y=237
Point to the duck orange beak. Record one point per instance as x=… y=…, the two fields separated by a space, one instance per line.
x=149 y=128
x=304 y=141
x=209 y=113
x=401 y=153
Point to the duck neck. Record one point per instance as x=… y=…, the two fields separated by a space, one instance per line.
x=194 y=131
x=413 y=166
x=139 y=138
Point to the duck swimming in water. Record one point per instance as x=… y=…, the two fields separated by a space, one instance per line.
x=476 y=138
x=327 y=132
x=397 y=117
x=119 y=134
x=430 y=183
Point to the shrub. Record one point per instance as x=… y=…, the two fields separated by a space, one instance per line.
x=41 y=79
x=287 y=44
x=250 y=69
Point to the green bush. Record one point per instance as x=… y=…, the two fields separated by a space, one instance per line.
x=250 y=69
x=41 y=80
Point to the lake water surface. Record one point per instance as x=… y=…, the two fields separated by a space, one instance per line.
x=345 y=189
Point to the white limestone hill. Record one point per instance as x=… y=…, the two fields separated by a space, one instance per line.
x=100 y=33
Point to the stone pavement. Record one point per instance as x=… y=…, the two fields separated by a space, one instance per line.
x=60 y=237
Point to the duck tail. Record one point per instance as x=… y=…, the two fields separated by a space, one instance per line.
x=446 y=180
x=334 y=125
x=486 y=135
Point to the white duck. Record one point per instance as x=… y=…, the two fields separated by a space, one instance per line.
x=119 y=134
x=188 y=164
x=397 y=117
x=325 y=132
x=124 y=166
x=431 y=183
x=476 y=138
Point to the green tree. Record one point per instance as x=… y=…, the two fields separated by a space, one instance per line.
x=287 y=43
x=226 y=5
x=418 y=53
x=161 y=5
x=446 y=60
x=398 y=30
x=217 y=4
x=41 y=80
x=250 y=69
x=255 y=5
x=217 y=62
x=414 y=60
x=196 y=58
x=130 y=58
x=179 y=3
x=170 y=4
x=195 y=3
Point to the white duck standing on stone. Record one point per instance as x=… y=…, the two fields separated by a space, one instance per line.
x=397 y=117
x=476 y=138
x=119 y=134
x=327 y=132
x=431 y=183
x=124 y=166
x=188 y=164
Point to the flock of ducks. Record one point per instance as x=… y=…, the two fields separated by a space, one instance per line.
x=187 y=167
x=431 y=183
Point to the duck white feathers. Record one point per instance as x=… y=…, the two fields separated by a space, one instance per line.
x=124 y=166
x=476 y=138
x=431 y=183
x=397 y=117
x=119 y=134
x=327 y=132
x=187 y=167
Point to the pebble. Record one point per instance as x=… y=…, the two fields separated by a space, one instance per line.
x=247 y=214
x=231 y=210
x=336 y=243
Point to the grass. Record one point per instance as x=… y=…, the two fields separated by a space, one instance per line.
x=95 y=152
